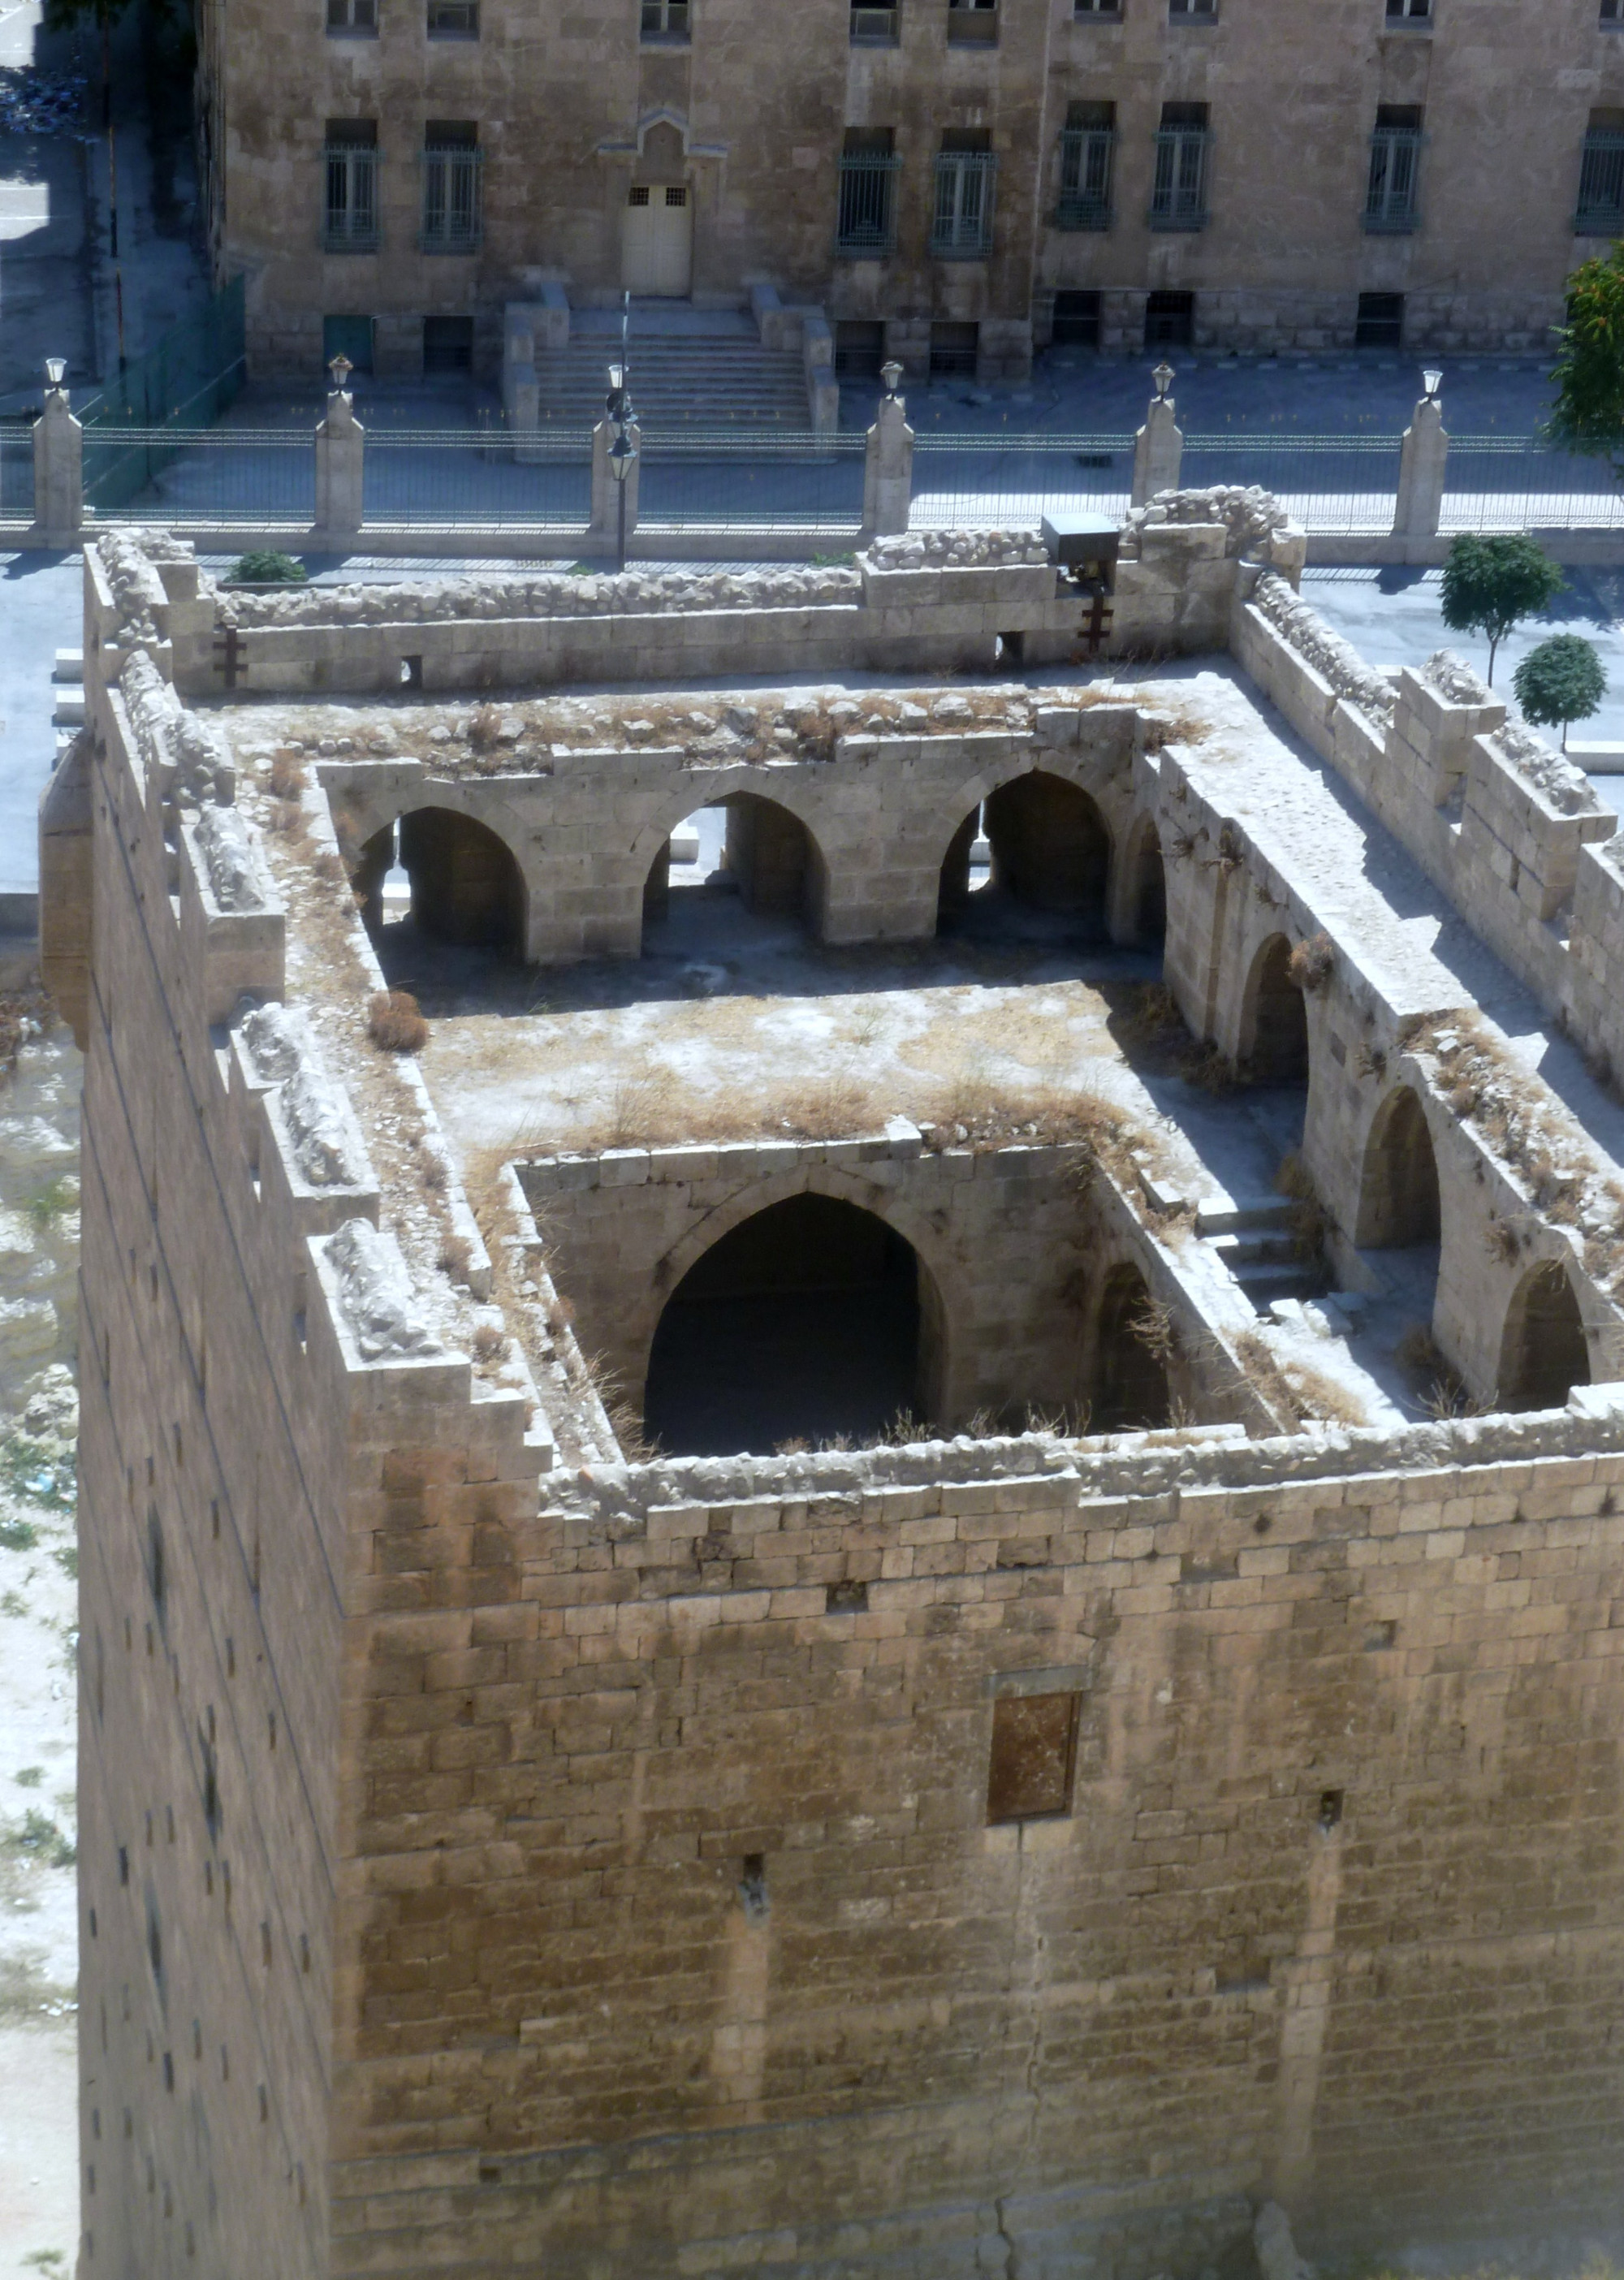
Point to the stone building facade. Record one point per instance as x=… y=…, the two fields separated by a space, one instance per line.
x=985 y=1853
x=955 y=183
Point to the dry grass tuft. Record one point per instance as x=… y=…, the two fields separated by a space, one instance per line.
x=488 y=1343
x=395 y=1022
x=1502 y=1242
x=289 y=777
x=328 y=867
x=1162 y=729
x=286 y=818
x=1209 y=1070
x=455 y=1257
x=1312 y=963
x=1295 y=1388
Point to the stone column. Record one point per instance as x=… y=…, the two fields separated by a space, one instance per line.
x=1422 y=462
x=58 y=472
x=340 y=443
x=888 y=475
x=605 y=502
x=1159 y=448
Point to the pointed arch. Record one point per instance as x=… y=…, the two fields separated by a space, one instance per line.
x=1148 y=880
x=1399 y=1197
x=1274 y=1017
x=467 y=887
x=1130 y=1371
x=1544 y=1351
x=1051 y=845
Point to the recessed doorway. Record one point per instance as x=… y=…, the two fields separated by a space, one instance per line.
x=656 y=250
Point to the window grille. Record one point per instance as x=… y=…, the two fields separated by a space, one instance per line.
x=1409 y=12
x=1395 y=169
x=1601 y=184
x=350 y=161
x=1097 y=8
x=874 y=27
x=962 y=224
x=1086 y=148
x=355 y=20
x=453 y=19
x=972 y=23
x=664 y=19
x=867 y=223
x=1179 y=199
x=453 y=219
x=1201 y=11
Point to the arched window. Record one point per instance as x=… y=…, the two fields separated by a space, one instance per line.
x=1130 y=1364
x=465 y=886
x=802 y=1324
x=1398 y=1196
x=1275 y=1030
x=1542 y=1352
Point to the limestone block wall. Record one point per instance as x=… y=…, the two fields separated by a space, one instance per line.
x=1016 y=1246
x=1346 y=1751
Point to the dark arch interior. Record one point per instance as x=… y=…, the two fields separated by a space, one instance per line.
x=802 y=1324
x=467 y=889
x=768 y=858
x=1399 y=1202
x=1544 y=1355
x=1151 y=891
x=1130 y=1370
x=1050 y=845
x=1280 y=1028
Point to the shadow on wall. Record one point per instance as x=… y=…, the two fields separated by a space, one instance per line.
x=464 y=887
x=1130 y=1365
x=1543 y=1352
x=1048 y=851
x=810 y=1321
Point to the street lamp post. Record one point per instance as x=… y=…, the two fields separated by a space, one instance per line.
x=622 y=451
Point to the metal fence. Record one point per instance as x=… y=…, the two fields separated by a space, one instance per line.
x=961 y=481
x=186 y=381
x=1515 y=483
x=1333 y=483
x=17 y=470
x=764 y=482
x=257 y=477
x=450 y=476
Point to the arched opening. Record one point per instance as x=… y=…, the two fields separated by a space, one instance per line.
x=1276 y=1046
x=1050 y=847
x=461 y=884
x=746 y=847
x=1398 y=1196
x=1130 y=1357
x=1149 y=913
x=1543 y=1355
x=812 y=1321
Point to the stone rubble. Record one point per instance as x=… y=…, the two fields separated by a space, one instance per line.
x=376 y=1294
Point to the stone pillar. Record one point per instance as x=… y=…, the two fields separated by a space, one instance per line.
x=605 y=503
x=340 y=457
x=58 y=471
x=888 y=475
x=1419 y=507
x=1159 y=448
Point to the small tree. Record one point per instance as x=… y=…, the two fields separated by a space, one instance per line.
x=1560 y=681
x=1588 y=415
x=1490 y=584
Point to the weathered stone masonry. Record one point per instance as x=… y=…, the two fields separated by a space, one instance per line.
x=487 y=1864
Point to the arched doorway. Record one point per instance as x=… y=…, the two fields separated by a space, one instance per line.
x=1130 y=1357
x=1150 y=912
x=810 y=1321
x=1542 y=1352
x=1050 y=847
x=465 y=886
x=746 y=847
x=1398 y=1195
x=1276 y=1028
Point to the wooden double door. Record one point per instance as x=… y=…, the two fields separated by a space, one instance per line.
x=657 y=240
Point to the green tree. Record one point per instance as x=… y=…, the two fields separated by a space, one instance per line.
x=1560 y=681
x=1588 y=416
x=1489 y=583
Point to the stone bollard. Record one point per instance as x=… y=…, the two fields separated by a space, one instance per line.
x=888 y=474
x=1158 y=447
x=341 y=444
x=1422 y=464
x=59 y=466
x=605 y=490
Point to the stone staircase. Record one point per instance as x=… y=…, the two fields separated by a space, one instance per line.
x=1252 y=1236
x=725 y=379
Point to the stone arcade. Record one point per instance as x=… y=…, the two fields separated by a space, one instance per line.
x=1127 y=1141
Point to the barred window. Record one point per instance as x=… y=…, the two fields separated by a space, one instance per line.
x=1086 y=148
x=355 y=20
x=1409 y=12
x=1178 y=198
x=1600 y=212
x=451 y=210
x=664 y=19
x=961 y=225
x=453 y=19
x=1390 y=205
x=868 y=171
x=351 y=164
x=874 y=23
x=1091 y=11
x=1612 y=11
x=1179 y=11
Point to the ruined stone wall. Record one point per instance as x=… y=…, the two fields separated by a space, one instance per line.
x=1347 y=1754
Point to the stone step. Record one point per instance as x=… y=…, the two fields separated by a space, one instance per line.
x=70 y=665
x=1227 y=1215
x=1266 y=1285
x=1253 y=1247
x=69 y=712
x=679 y=379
